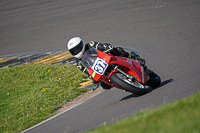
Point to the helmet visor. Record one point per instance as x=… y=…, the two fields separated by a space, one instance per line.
x=77 y=49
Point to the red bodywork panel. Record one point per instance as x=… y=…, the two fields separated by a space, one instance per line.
x=129 y=66
x=106 y=58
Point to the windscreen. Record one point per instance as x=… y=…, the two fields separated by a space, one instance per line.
x=89 y=57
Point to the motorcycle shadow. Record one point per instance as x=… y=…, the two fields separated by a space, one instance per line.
x=149 y=89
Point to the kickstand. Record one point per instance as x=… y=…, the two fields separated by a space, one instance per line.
x=94 y=88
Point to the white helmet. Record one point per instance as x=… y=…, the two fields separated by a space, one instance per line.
x=76 y=47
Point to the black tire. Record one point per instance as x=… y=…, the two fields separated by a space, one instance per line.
x=115 y=79
x=154 y=80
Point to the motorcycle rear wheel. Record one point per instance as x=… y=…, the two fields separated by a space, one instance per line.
x=128 y=85
x=154 y=80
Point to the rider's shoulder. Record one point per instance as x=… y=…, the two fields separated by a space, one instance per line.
x=93 y=43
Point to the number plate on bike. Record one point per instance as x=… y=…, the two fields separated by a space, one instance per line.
x=99 y=66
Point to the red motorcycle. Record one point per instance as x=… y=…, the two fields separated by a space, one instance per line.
x=120 y=72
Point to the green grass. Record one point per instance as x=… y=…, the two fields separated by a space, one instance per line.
x=178 y=117
x=32 y=93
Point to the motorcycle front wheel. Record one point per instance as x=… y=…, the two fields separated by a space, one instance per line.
x=127 y=84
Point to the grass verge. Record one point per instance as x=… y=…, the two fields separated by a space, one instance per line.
x=30 y=94
x=182 y=116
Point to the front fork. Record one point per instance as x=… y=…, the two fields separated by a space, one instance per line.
x=116 y=69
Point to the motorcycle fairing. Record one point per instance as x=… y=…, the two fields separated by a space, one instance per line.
x=95 y=75
x=130 y=66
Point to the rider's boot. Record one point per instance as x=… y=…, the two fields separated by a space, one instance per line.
x=137 y=58
x=141 y=61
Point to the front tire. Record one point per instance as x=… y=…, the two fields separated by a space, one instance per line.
x=154 y=80
x=133 y=87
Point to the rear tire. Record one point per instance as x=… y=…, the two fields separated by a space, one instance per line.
x=117 y=80
x=154 y=80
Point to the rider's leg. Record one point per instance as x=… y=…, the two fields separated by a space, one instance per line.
x=118 y=51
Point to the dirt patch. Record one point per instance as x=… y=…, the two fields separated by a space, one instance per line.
x=78 y=99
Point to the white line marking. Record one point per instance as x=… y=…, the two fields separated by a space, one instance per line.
x=61 y=112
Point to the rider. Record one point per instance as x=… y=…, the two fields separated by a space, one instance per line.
x=77 y=48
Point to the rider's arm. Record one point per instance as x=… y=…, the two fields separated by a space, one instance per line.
x=105 y=47
x=84 y=69
x=80 y=66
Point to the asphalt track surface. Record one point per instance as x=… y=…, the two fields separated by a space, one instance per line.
x=166 y=32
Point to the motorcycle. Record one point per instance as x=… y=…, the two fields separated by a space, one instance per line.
x=120 y=72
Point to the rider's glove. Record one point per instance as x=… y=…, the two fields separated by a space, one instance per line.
x=79 y=67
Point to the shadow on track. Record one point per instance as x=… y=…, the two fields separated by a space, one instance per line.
x=149 y=89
